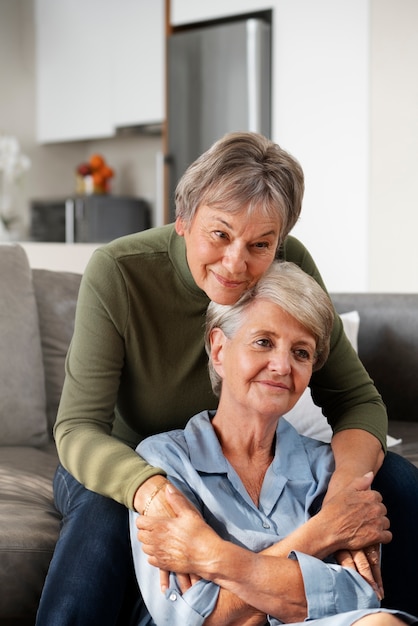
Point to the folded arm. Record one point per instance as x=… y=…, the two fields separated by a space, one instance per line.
x=268 y=580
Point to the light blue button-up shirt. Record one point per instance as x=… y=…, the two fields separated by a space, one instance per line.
x=292 y=491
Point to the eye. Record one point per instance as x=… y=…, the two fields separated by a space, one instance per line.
x=261 y=246
x=220 y=234
x=263 y=342
x=301 y=354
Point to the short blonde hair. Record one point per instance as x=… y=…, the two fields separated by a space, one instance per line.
x=297 y=293
x=243 y=170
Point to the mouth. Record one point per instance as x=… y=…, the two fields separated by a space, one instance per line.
x=274 y=384
x=228 y=283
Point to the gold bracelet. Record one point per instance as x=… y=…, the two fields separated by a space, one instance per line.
x=152 y=496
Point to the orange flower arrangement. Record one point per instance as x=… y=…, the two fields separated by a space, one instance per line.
x=94 y=176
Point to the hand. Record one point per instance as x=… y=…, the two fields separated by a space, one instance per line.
x=185 y=581
x=151 y=495
x=367 y=564
x=356 y=517
x=366 y=561
x=350 y=524
x=182 y=544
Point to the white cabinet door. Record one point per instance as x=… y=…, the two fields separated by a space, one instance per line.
x=100 y=64
x=73 y=82
x=189 y=11
x=138 y=90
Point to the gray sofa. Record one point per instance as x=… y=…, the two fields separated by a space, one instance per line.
x=388 y=348
x=36 y=320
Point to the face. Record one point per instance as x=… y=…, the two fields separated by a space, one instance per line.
x=266 y=366
x=227 y=253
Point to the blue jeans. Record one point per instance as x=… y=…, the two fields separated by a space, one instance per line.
x=91 y=579
x=397 y=481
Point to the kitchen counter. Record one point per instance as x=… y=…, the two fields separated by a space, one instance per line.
x=66 y=257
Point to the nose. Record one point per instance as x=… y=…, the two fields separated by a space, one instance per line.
x=280 y=362
x=235 y=258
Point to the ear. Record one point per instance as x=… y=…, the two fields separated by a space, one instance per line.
x=180 y=226
x=217 y=343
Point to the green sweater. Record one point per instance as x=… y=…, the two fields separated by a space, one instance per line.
x=137 y=364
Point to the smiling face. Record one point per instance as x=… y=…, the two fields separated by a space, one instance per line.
x=266 y=366
x=228 y=252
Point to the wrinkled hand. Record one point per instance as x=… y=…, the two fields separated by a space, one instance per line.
x=367 y=563
x=182 y=544
x=358 y=515
x=158 y=506
x=185 y=544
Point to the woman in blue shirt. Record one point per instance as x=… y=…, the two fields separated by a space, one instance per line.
x=258 y=545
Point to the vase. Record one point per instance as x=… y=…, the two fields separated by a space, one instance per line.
x=9 y=216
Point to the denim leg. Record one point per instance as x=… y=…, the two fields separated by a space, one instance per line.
x=91 y=568
x=397 y=481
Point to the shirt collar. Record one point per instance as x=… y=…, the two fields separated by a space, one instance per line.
x=290 y=459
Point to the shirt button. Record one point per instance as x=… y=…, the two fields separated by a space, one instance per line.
x=172 y=597
x=266 y=525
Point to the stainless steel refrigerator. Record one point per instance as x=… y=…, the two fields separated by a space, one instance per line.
x=218 y=81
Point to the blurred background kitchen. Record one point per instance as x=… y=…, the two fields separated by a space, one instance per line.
x=83 y=78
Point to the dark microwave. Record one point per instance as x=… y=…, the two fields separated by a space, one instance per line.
x=87 y=219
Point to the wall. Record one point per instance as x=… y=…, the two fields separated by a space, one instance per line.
x=320 y=102
x=393 y=211
x=346 y=103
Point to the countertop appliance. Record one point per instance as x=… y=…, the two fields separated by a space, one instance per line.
x=87 y=219
x=219 y=81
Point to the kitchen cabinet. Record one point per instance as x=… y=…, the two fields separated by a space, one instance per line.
x=190 y=11
x=138 y=86
x=100 y=65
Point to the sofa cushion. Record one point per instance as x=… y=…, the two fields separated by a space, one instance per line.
x=56 y=295
x=22 y=384
x=29 y=527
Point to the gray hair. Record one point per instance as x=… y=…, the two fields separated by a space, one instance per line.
x=297 y=293
x=243 y=170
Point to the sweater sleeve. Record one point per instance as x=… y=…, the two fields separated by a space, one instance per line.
x=342 y=387
x=94 y=364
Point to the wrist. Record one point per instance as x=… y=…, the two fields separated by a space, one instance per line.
x=230 y=565
x=152 y=496
x=144 y=492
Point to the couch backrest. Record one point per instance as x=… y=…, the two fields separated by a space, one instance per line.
x=388 y=346
x=22 y=386
x=56 y=297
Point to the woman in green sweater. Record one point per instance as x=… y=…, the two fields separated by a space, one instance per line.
x=137 y=365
